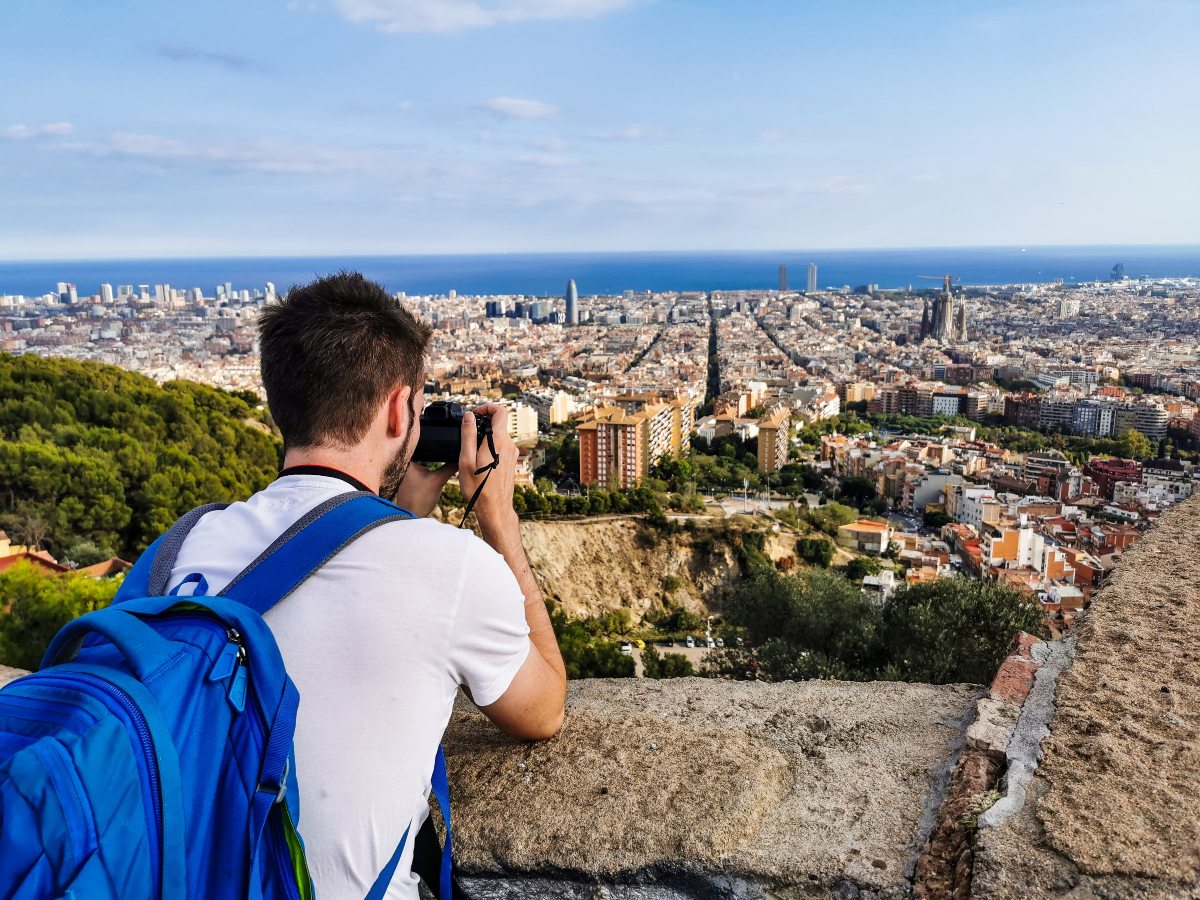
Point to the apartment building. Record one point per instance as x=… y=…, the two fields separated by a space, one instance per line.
x=617 y=446
x=774 y=430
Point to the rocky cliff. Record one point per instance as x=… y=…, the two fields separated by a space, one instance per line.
x=592 y=566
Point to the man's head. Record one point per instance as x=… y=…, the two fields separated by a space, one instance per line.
x=343 y=365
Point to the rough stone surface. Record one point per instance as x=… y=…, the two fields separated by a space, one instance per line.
x=574 y=562
x=1114 y=808
x=715 y=789
x=993 y=725
x=7 y=674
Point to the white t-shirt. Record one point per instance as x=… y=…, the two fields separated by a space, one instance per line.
x=378 y=642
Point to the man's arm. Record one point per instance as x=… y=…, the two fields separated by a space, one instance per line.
x=533 y=706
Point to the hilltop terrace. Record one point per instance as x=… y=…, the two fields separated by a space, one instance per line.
x=1076 y=772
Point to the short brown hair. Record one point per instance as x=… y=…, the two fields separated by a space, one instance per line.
x=331 y=352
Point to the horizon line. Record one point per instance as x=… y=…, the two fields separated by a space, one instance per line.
x=598 y=253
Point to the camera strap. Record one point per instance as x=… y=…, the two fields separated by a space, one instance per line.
x=480 y=471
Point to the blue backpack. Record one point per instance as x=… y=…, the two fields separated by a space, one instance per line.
x=151 y=755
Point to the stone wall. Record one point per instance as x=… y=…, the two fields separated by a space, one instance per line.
x=1113 y=808
x=696 y=788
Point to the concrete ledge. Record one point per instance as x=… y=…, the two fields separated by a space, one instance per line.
x=692 y=787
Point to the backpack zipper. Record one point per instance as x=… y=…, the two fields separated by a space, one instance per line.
x=81 y=825
x=146 y=741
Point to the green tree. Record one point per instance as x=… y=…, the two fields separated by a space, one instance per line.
x=1134 y=445
x=668 y=665
x=955 y=629
x=862 y=566
x=858 y=491
x=584 y=654
x=101 y=455
x=815 y=551
x=830 y=517
x=936 y=518
x=39 y=605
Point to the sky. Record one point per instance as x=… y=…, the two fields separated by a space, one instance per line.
x=297 y=127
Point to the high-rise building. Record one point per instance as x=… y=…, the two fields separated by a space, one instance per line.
x=773 y=432
x=812 y=278
x=618 y=445
x=72 y=295
x=106 y=294
x=572 y=301
x=782 y=279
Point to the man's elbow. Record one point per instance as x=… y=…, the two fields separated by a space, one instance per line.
x=539 y=727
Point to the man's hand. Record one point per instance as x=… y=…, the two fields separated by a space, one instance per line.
x=494 y=508
x=532 y=707
x=420 y=489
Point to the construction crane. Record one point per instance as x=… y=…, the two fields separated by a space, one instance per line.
x=945 y=279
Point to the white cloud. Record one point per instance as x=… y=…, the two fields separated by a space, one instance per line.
x=514 y=108
x=547 y=160
x=396 y=16
x=263 y=156
x=25 y=132
x=628 y=133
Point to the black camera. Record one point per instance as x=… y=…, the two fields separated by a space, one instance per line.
x=441 y=432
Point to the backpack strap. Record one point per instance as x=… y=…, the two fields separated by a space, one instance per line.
x=151 y=573
x=307 y=545
x=438 y=876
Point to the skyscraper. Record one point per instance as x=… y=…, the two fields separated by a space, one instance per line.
x=106 y=294
x=572 y=301
x=782 y=279
x=812 y=278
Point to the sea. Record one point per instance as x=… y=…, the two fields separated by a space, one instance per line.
x=546 y=274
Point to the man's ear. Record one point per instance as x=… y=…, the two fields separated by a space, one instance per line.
x=398 y=411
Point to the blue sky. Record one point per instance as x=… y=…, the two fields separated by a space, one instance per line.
x=132 y=129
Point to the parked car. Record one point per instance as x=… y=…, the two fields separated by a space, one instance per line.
x=627 y=648
x=709 y=642
x=720 y=642
x=690 y=642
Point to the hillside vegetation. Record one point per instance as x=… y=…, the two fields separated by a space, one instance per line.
x=96 y=461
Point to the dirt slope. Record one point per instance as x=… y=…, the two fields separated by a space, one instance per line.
x=593 y=566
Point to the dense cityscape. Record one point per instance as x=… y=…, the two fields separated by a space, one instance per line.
x=1023 y=433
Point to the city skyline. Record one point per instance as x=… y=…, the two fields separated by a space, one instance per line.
x=409 y=126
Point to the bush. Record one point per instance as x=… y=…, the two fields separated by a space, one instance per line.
x=860 y=567
x=820 y=625
x=584 y=654
x=669 y=665
x=815 y=551
x=679 y=621
x=955 y=629
x=39 y=605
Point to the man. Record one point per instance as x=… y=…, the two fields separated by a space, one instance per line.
x=379 y=640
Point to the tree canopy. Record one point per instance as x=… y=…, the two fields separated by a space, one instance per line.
x=94 y=455
x=38 y=605
x=817 y=624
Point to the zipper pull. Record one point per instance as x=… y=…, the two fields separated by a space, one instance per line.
x=237 y=690
x=225 y=664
